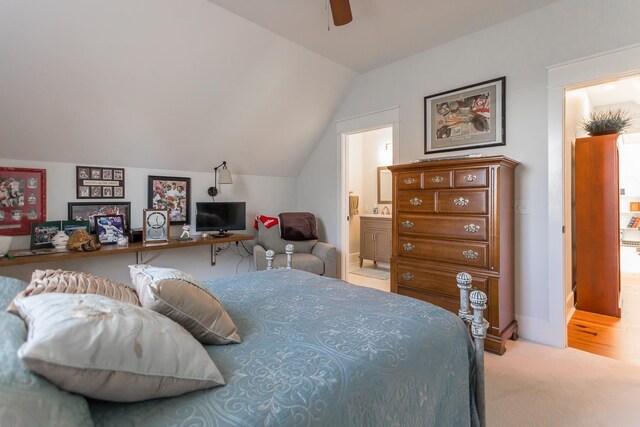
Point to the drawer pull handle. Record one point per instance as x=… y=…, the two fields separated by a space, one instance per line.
x=470 y=178
x=461 y=201
x=415 y=201
x=437 y=179
x=408 y=247
x=409 y=181
x=408 y=276
x=470 y=254
x=471 y=228
x=407 y=224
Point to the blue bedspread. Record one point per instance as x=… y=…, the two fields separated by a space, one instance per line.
x=320 y=352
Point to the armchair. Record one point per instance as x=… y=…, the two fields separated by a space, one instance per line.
x=309 y=255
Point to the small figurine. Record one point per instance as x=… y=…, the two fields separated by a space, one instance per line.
x=204 y=235
x=186 y=235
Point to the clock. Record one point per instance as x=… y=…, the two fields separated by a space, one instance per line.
x=156 y=225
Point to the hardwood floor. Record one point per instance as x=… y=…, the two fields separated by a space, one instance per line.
x=610 y=336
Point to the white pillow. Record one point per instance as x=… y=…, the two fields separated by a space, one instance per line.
x=105 y=349
x=183 y=299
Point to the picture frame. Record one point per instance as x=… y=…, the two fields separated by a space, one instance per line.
x=96 y=182
x=42 y=233
x=465 y=118
x=70 y=226
x=86 y=211
x=171 y=193
x=109 y=228
x=156 y=225
x=23 y=199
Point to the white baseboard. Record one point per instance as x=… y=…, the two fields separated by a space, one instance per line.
x=570 y=307
x=355 y=257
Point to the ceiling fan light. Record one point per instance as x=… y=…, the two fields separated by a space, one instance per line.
x=341 y=11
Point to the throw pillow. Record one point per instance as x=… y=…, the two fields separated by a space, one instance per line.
x=27 y=399
x=109 y=350
x=73 y=282
x=182 y=298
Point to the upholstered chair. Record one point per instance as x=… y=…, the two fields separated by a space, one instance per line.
x=308 y=255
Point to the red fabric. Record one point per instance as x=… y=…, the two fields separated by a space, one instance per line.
x=268 y=221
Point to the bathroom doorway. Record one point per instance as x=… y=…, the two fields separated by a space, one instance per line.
x=369 y=218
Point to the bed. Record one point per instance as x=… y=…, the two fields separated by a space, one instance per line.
x=310 y=356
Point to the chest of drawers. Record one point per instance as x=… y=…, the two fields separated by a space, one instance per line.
x=451 y=216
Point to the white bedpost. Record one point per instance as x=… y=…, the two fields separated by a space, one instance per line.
x=479 y=328
x=289 y=251
x=270 y=254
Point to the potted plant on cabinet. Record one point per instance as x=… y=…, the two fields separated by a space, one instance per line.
x=607 y=122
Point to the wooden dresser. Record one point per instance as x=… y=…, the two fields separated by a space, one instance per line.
x=452 y=216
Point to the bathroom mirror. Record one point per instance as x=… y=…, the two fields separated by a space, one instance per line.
x=384 y=185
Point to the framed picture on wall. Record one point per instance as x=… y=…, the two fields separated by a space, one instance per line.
x=173 y=194
x=86 y=211
x=94 y=182
x=22 y=199
x=465 y=118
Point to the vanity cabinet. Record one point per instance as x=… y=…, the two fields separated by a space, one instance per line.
x=375 y=238
x=451 y=216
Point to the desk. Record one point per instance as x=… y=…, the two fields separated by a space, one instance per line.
x=137 y=248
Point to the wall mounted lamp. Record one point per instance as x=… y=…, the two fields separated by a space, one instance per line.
x=225 y=178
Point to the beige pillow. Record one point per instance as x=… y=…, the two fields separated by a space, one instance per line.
x=105 y=349
x=73 y=282
x=182 y=298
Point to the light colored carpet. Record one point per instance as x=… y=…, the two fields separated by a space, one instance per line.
x=376 y=273
x=536 y=385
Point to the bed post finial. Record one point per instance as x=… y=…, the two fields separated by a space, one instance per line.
x=289 y=251
x=270 y=254
x=464 y=284
x=479 y=328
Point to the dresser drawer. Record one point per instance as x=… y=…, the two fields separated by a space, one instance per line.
x=438 y=179
x=471 y=177
x=410 y=181
x=454 y=227
x=417 y=201
x=472 y=254
x=469 y=201
x=442 y=282
x=448 y=303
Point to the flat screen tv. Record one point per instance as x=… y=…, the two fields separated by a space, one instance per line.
x=221 y=217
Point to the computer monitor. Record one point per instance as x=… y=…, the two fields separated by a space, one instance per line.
x=221 y=217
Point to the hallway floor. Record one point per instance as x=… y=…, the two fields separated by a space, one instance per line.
x=610 y=336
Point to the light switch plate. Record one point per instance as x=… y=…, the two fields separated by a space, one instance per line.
x=522 y=207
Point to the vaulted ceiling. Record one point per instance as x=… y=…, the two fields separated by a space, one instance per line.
x=382 y=31
x=185 y=84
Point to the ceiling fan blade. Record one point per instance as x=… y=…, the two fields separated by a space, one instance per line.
x=341 y=11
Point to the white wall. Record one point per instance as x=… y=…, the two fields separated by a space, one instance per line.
x=266 y=195
x=521 y=49
x=375 y=154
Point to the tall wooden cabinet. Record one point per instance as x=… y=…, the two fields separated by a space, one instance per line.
x=597 y=227
x=451 y=216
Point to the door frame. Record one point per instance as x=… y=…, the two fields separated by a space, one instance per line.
x=389 y=117
x=609 y=65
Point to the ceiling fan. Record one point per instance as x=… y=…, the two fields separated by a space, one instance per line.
x=341 y=11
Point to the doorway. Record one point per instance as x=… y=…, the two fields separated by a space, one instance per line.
x=593 y=327
x=369 y=218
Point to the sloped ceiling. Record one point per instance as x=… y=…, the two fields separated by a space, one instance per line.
x=382 y=31
x=170 y=84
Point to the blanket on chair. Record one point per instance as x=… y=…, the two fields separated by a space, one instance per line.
x=298 y=226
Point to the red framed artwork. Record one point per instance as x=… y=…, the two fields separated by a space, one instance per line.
x=22 y=199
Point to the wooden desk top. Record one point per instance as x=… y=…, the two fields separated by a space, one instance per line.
x=107 y=250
